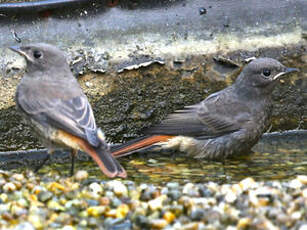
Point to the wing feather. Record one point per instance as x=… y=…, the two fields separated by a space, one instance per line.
x=53 y=105
x=217 y=115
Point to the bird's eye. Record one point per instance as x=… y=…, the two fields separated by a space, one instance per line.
x=266 y=72
x=37 y=54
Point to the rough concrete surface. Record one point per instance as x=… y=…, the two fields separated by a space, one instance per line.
x=139 y=61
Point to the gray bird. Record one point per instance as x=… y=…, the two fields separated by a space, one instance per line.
x=53 y=104
x=226 y=123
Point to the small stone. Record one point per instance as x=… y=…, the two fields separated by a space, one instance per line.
x=18 y=211
x=24 y=226
x=56 y=187
x=111 y=213
x=244 y=223
x=92 y=222
x=169 y=217
x=247 y=183
x=118 y=188
x=190 y=226
x=204 y=191
x=230 y=197
x=68 y=227
x=115 y=202
x=231 y=228
x=295 y=184
x=296 y=215
x=302 y=179
x=158 y=223
x=142 y=221
x=3 y=197
x=303 y=227
x=36 y=221
x=174 y=194
x=44 y=196
x=187 y=188
x=18 y=177
x=9 y=187
x=172 y=185
x=177 y=209
x=95 y=188
x=81 y=175
x=157 y=203
x=122 y=211
x=197 y=214
x=190 y=189
x=96 y=211
x=92 y=202
x=104 y=201
x=55 y=206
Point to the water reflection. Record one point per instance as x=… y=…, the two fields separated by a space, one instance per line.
x=277 y=158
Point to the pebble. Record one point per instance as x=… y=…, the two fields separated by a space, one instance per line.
x=9 y=187
x=302 y=179
x=96 y=211
x=158 y=223
x=247 y=183
x=118 y=188
x=197 y=214
x=157 y=203
x=44 y=196
x=81 y=175
x=29 y=201
x=169 y=217
x=230 y=197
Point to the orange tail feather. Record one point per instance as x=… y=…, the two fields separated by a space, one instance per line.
x=99 y=157
x=141 y=144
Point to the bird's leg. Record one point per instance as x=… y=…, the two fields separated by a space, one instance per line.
x=73 y=154
x=49 y=152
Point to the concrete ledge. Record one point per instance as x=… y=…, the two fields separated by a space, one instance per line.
x=139 y=62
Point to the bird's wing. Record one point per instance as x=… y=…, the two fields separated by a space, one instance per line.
x=62 y=105
x=217 y=115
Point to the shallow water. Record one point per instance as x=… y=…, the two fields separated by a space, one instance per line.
x=163 y=169
x=278 y=156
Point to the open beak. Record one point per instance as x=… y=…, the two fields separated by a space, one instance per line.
x=287 y=71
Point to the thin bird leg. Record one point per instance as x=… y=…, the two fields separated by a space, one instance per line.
x=43 y=162
x=73 y=153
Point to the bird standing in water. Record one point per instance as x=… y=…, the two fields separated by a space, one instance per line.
x=53 y=103
x=226 y=123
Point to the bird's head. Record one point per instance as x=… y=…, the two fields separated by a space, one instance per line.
x=41 y=56
x=263 y=73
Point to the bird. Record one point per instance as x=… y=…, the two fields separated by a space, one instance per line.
x=227 y=123
x=51 y=101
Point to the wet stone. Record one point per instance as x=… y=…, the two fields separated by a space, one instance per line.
x=174 y=194
x=197 y=214
x=44 y=196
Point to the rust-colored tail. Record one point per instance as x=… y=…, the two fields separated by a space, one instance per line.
x=138 y=144
x=101 y=155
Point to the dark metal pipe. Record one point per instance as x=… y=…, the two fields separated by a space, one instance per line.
x=39 y=5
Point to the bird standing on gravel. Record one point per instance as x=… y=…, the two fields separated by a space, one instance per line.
x=52 y=102
x=226 y=123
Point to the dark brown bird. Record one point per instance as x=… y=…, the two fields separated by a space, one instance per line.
x=52 y=102
x=226 y=123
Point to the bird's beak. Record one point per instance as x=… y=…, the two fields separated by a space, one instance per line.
x=286 y=71
x=18 y=49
